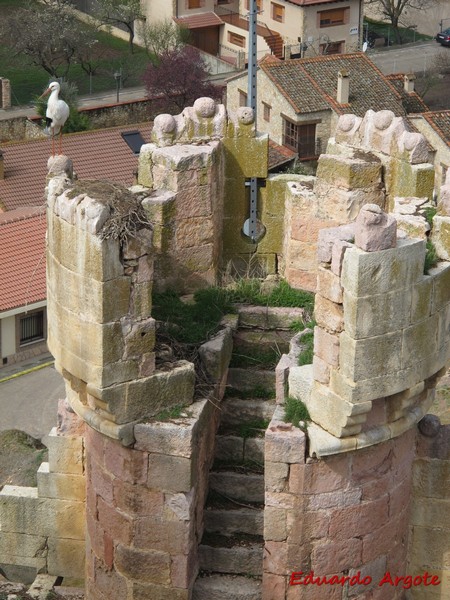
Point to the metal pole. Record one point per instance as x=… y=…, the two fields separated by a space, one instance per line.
x=251 y=101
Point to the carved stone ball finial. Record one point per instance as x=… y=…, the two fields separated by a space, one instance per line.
x=347 y=122
x=245 y=115
x=383 y=119
x=205 y=107
x=164 y=124
x=164 y=130
x=60 y=165
x=374 y=229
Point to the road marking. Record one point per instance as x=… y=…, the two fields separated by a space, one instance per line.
x=36 y=368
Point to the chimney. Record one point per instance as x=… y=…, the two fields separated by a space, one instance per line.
x=408 y=82
x=2 y=166
x=343 y=87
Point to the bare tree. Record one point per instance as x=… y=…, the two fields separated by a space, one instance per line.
x=122 y=13
x=47 y=33
x=393 y=10
x=162 y=37
x=178 y=79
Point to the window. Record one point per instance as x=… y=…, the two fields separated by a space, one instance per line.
x=300 y=138
x=242 y=98
x=332 y=48
x=32 y=328
x=277 y=12
x=258 y=5
x=266 y=111
x=236 y=39
x=194 y=3
x=337 y=16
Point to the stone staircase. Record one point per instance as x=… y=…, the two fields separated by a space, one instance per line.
x=231 y=551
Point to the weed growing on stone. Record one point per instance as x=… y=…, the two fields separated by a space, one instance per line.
x=307 y=354
x=191 y=323
x=247 y=358
x=170 y=413
x=248 y=291
x=298 y=325
x=253 y=428
x=429 y=213
x=295 y=411
x=431 y=257
x=194 y=323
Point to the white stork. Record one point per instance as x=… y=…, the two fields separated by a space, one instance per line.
x=56 y=114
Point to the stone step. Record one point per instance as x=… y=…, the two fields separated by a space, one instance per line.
x=270 y=317
x=244 y=487
x=262 y=340
x=226 y=587
x=236 y=411
x=240 y=558
x=236 y=449
x=248 y=379
x=231 y=522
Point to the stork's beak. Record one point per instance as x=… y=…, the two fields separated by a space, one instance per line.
x=47 y=91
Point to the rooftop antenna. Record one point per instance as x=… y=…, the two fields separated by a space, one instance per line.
x=252 y=228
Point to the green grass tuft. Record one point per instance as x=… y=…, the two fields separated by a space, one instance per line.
x=170 y=413
x=307 y=354
x=429 y=214
x=253 y=428
x=248 y=291
x=431 y=257
x=295 y=411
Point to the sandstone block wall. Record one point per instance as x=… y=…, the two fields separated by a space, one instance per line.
x=429 y=540
x=42 y=529
x=381 y=342
x=375 y=160
x=342 y=515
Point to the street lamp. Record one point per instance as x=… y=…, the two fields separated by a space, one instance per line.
x=117 y=77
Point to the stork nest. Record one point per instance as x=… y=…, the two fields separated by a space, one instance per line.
x=127 y=216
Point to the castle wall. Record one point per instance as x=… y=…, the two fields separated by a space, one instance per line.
x=344 y=516
x=429 y=531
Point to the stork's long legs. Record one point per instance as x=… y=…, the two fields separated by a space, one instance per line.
x=53 y=144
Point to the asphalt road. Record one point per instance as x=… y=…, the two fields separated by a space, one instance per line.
x=413 y=58
x=29 y=402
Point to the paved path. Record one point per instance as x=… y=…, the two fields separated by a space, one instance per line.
x=29 y=394
x=93 y=101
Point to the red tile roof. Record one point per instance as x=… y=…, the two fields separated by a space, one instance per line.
x=440 y=122
x=206 y=19
x=310 y=84
x=279 y=155
x=99 y=154
x=22 y=264
x=412 y=102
